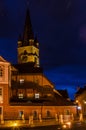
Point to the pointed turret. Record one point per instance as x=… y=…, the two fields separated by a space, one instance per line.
x=28 y=35
x=36 y=43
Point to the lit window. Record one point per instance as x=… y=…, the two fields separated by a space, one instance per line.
x=36 y=95
x=79 y=107
x=84 y=101
x=20 y=95
x=21 y=81
x=1 y=72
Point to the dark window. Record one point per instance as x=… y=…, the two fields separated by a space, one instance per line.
x=35 y=114
x=1 y=72
x=0 y=110
x=20 y=114
x=48 y=113
x=0 y=91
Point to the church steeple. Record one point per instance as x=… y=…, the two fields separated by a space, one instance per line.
x=28 y=47
x=28 y=32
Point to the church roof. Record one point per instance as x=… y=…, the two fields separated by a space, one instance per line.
x=2 y=59
x=61 y=101
x=64 y=93
x=80 y=91
x=27 y=68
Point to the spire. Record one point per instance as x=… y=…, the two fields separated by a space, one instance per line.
x=28 y=32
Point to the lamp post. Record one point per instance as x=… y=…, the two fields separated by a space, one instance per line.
x=15 y=126
x=77 y=108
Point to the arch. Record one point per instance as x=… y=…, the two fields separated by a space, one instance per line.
x=48 y=113
x=35 y=114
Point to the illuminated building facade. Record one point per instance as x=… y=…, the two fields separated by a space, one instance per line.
x=80 y=98
x=24 y=89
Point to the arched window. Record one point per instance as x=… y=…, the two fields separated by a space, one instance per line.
x=48 y=114
x=21 y=114
x=35 y=114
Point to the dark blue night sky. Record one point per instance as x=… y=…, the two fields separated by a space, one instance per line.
x=61 y=29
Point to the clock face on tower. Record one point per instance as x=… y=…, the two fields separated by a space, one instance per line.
x=23 y=57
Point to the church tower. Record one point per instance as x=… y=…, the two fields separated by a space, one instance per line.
x=28 y=46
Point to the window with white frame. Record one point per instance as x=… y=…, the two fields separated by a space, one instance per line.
x=21 y=81
x=36 y=95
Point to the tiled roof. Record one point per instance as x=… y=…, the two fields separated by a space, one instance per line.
x=61 y=101
x=80 y=91
x=28 y=68
x=64 y=93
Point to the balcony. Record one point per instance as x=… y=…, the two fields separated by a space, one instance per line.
x=29 y=101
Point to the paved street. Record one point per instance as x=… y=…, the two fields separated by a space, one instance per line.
x=79 y=126
x=75 y=126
